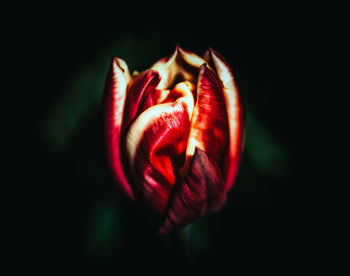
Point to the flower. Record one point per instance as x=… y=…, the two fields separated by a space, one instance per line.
x=174 y=134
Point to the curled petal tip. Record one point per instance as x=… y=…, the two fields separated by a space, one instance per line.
x=154 y=74
x=180 y=49
x=210 y=54
x=206 y=55
x=212 y=51
x=120 y=63
x=114 y=101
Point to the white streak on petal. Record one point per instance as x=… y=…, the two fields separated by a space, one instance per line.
x=232 y=106
x=152 y=114
x=191 y=58
x=169 y=69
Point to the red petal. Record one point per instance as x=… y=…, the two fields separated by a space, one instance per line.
x=209 y=124
x=156 y=143
x=158 y=96
x=141 y=86
x=235 y=116
x=114 y=101
x=201 y=192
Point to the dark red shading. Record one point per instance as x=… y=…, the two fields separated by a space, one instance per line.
x=156 y=165
x=141 y=86
x=201 y=192
x=232 y=162
x=211 y=124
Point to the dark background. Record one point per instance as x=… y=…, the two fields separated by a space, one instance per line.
x=80 y=218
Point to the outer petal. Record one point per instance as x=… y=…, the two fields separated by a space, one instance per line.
x=209 y=130
x=235 y=115
x=114 y=102
x=201 y=192
x=155 y=143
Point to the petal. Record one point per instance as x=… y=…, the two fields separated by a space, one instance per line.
x=209 y=130
x=235 y=115
x=190 y=58
x=140 y=87
x=155 y=143
x=181 y=65
x=201 y=192
x=155 y=97
x=158 y=96
x=114 y=102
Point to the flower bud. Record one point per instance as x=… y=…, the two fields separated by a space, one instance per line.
x=174 y=134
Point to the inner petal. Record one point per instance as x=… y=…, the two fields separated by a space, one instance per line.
x=209 y=129
x=182 y=65
x=156 y=143
x=184 y=90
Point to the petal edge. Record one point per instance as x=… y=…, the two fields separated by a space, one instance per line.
x=235 y=114
x=114 y=101
x=201 y=192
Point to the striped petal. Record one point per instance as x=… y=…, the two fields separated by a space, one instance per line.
x=209 y=130
x=234 y=114
x=175 y=134
x=143 y=84
x=200 y=193
x=114 y=102
x=156 y=143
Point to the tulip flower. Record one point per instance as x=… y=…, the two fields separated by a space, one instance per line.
x=174 y=134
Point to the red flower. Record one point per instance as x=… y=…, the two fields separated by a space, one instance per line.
x=174 y=134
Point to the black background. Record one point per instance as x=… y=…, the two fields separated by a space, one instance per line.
x=268 y=226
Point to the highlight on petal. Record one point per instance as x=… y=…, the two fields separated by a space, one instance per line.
x=114 y=103
x=190 y=58
x=201 y=192
x=156 y=142
x=180 y=66
x=234 y=113
x=209 y=129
